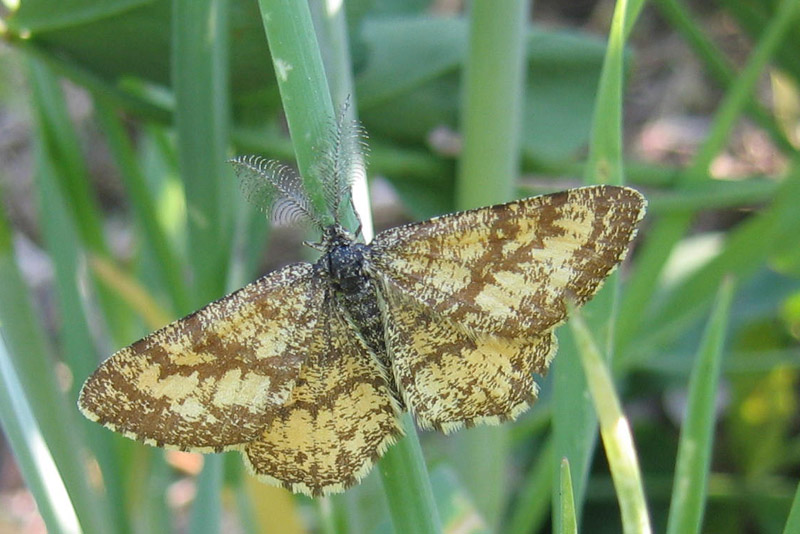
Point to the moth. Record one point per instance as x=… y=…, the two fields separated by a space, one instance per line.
x=306 y=370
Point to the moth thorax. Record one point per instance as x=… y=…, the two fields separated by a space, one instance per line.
x=346 y=267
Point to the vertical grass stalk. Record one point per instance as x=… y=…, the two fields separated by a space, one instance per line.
x=200 y=82
x=569 y=522
x=493 y=91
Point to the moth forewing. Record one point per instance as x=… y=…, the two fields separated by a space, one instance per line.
x=211 y=381
x=506 y=269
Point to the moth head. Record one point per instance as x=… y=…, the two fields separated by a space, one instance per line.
x=332 y=236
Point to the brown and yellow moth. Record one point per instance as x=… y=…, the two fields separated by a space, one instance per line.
x=306 y=370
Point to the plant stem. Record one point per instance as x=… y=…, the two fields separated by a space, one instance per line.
x=491 y=117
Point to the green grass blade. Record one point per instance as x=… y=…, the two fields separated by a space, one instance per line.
x=569 y=522
x=206 y=513
x=605 y=149
x=488 y=168
x=308 y=108
x=144 y=206
x=574 y=422
x=38 y=467
x=694 y=451
x=793 y=521
x=76 y=343
x=615 y=431
x=407 y=486
x=745 y=251
x=60 y=142
x=200 y=79
x=29 y=357
x=717 y=64
x=302 y=83
x=492 y=105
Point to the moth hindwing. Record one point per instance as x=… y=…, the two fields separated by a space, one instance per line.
x=306 y=370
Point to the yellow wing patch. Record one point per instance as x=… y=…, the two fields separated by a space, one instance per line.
x=340 y=419
x=210 y=380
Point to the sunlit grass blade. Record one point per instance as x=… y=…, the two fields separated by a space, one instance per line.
x=130 y=291
x=29 y=357
x=574 y=422
x=615 y=431
x=569 y=523
x=694 y=450
x=37 y=465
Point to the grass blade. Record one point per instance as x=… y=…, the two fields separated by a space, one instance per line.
x=200 y=74
x=569 y=523
x=694 y=450
x=615 y=431
x=668 y=231
x=302 y=83
x=407 y=486
x=29 y=357
x=793 y=521
x=38 y=467
x=491 y=113
x=200 y=81
x=307 y=104
x=574 y=422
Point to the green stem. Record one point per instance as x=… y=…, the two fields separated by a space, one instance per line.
x=491 y=116
x=200 y=80
x=303 y=86
x=408 y=489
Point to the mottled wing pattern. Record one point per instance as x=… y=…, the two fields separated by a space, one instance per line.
x=211 y=380
x=450 y=377
x=340 y=418
x=508 y=269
